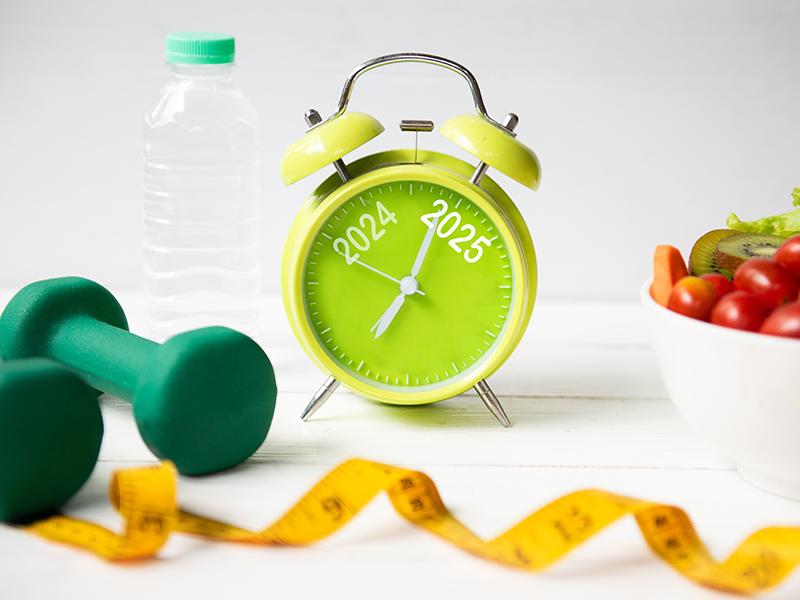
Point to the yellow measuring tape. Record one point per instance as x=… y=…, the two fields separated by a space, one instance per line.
x=146 y=500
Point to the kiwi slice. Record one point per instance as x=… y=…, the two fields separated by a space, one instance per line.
x=703 y=258
x=733 y=250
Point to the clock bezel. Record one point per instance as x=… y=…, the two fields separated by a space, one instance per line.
x=432 y=168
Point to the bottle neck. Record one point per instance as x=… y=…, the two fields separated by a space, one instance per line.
x=204 y=72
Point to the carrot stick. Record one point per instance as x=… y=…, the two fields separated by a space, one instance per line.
x=668 y=268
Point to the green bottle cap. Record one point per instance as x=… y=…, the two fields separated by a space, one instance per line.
x=200 y=48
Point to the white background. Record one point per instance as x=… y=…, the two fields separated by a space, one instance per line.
x=652 y=120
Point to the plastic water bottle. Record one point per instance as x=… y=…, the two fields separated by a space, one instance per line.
x=202 y=185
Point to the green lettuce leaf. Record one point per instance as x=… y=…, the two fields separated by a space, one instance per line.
x=784 y=225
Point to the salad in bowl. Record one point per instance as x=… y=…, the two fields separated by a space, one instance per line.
x=726 y=332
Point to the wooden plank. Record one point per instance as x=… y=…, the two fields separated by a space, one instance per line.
x=550 y=432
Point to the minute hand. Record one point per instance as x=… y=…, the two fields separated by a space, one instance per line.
x=423 y=249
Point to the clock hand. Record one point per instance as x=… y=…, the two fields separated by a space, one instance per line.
x=408 y=285
x=379 y=272
x=423 y=249
x=387 y=317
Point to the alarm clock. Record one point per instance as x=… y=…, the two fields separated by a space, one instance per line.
x=409 y=276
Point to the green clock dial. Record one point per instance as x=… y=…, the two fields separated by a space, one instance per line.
x=408 y=285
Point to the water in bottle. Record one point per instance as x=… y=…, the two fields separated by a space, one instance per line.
x=201 y=187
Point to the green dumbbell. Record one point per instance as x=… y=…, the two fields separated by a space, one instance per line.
x=204 y=399
x=50 y=435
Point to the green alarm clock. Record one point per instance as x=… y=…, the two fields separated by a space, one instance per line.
x=409 y=276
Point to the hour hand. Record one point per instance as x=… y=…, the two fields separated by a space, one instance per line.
x=387 y=317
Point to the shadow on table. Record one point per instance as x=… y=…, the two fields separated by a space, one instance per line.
x=462 y=412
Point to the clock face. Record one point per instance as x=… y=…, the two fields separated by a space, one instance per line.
x=408 y=285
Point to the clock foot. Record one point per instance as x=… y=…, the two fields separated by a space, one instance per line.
x=320 y=396
x=492 y=403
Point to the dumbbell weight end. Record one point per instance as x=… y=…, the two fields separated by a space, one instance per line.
x=204 y=399
x=50 y=435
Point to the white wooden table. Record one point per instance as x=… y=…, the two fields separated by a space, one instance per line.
x=589 y=410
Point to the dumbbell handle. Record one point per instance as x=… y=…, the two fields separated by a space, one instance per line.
x=110 y=359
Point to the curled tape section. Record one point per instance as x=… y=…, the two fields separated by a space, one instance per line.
x=146 y=501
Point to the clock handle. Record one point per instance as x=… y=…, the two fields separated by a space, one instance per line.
x=414 y=57
x=492 y=403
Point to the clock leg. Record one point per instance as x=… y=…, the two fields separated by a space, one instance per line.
x=320 y=396
x=492 y=403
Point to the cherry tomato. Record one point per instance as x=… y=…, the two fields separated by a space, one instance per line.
x=693 y=297
x=766 y=280
x=784 y=321
x=788 y=255
x=722 y=284
x=739 y=310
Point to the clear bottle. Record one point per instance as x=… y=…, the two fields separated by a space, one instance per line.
x=201 y=186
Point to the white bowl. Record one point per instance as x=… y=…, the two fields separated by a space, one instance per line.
x=740 y=390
